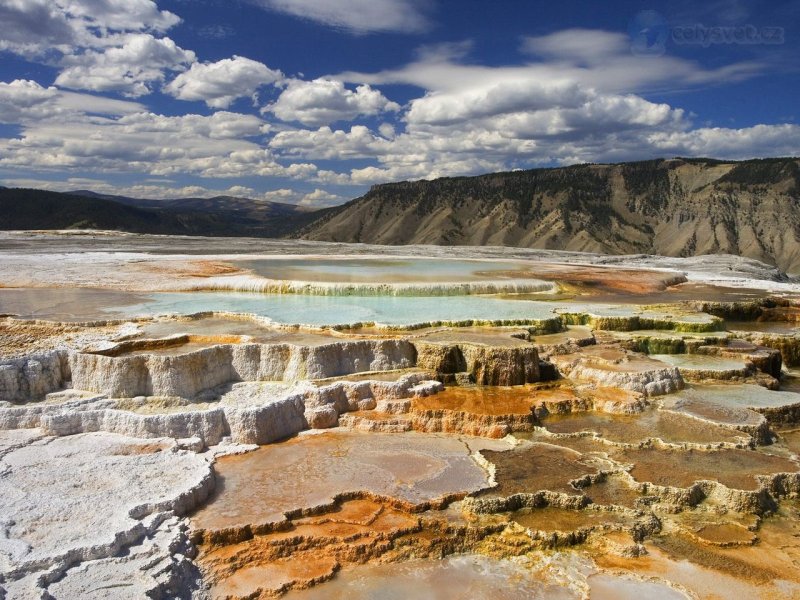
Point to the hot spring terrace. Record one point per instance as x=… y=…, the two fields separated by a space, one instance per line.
x=250 y=419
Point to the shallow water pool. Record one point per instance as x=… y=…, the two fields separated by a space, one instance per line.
x=343 y=310
x=385 y=270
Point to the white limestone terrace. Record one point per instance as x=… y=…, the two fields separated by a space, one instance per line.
x=369 y=276
x=98 y=276
x=93 y=490
x=720 y=269
x=202 y=395
x=87 y=499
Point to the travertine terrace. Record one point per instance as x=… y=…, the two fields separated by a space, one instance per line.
x=188 y=418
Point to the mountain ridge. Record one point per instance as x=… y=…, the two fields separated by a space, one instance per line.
x=674 y=207
x=24 y=208
x=198 y=203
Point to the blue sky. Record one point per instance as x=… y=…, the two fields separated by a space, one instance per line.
x=312 y=101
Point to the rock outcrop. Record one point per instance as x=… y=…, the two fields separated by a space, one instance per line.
x=32 y=377
x=614 y=367
x=485 y=365
x=787 y=345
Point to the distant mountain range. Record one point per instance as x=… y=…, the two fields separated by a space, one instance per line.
x=675 y=207
x=83 y=209
x=255 y=209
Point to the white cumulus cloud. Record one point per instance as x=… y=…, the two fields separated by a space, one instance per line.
x=121 y=15
x=324 y=101
x=130 y=68
x=100 y=45
x=29 y=26
x=26 y=101
x=320 y=199
x=723 y=142
x=219 y=83
x=32 y=27
x=218 y=146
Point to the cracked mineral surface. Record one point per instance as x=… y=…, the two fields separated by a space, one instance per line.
x=275 y=419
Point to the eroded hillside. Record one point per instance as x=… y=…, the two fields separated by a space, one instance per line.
x=678 y=207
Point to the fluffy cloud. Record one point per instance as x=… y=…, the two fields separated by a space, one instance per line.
x=320 y=199
x=513 y=95
x=31 y=27
x=577 y=96
x=221 y=145
x=609 y=128
x=282 y=195
x=722 y=142
x=28 y=26
x=219 y=126
x=356 y=16
x=119 y=46
x=218 y=84
x=121 y=15
x=25 y=101
x=130 y=68
x=325 y=143
x=100 y=45
x=311 y=200
x=580 y=97
x=324 y=101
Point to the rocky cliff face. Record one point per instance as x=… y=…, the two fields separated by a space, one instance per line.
x=32 y=377
x=677 y=207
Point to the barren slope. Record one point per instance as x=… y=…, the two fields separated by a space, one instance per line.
x=678 y=207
